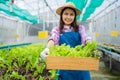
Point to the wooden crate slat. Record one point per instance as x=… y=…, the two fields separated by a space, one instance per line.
x=70 y=63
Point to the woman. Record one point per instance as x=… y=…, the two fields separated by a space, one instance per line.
x=68 y=33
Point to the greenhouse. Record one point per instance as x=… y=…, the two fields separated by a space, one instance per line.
x=59 y=40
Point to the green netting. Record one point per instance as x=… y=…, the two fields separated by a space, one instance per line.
x=91 y=8
x=80 y=4
x=95 y=3
x=5 y=9
x=87 y=13
x=22 y=14
x=2 y=1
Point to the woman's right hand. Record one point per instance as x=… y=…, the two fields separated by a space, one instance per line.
x=44 y=53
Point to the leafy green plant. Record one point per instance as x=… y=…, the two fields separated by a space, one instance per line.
x=54 y=74
x=78 y=51
x=18 y=62
x=15 y=75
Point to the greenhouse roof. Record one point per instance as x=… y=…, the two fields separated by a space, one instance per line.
x=32 y=10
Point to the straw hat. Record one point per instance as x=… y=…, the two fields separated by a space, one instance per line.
x=70 y=5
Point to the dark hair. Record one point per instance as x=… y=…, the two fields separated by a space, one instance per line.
x=73 y=24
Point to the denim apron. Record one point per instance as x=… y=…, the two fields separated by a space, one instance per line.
x=73 y=39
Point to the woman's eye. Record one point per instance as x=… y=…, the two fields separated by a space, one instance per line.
x=66 y=13
x=72 y=14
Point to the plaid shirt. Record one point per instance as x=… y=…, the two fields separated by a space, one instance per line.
x=55 y=34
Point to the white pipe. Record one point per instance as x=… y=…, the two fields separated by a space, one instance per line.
x=11 y=8
x=84 y=10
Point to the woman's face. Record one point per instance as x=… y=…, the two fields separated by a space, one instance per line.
x=68 y=16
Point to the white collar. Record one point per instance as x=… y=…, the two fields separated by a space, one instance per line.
x=68 y=27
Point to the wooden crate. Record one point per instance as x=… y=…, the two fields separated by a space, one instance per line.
x=70 y=63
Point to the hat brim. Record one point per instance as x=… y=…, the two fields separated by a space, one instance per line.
x=59 y=10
